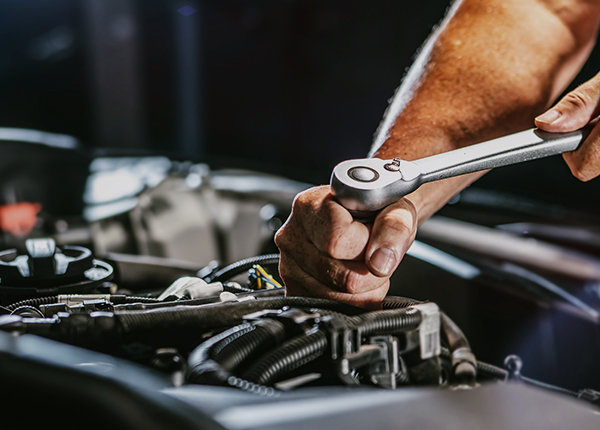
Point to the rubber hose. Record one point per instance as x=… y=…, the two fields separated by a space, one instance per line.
x=288 y=357
x=241 y=266
x=464 y=364
x=455 y=336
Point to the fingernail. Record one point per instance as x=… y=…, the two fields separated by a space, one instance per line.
x=548 y=117
x=383 y=260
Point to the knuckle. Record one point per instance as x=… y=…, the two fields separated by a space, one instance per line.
x=287 y=272
x=581 y=167
x=281 y=237
x=582 y=174
x=284 y=271
x=299 y=201
x=332 y=245
x=308 y=198
x=580 y=99
x=339 y=243
x=343 y=278
x=303 y=201
x=353 y=282
x=397 y=223
x=279 y=240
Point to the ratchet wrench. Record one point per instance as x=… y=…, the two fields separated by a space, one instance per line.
x=364 y=186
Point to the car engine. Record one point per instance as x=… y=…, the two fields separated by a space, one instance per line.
x=161 y=307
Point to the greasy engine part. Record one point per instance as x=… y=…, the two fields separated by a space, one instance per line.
x=272 y=344
x=282 y=348
x=263 y=343
x=46 y=270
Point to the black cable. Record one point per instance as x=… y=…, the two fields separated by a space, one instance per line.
x=241 y=266
x=49 y=300
x=490 y=371
x=484 y=370
x=139 y=306
x=136 y=299
x=236 y=288
x=550 y=387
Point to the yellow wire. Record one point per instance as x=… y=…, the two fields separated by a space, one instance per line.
x=263 y=272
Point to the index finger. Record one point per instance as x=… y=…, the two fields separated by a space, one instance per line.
x=329 y=226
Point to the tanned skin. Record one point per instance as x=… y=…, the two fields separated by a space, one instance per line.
x=487 y=71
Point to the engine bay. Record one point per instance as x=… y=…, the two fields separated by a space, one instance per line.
x=162 y=306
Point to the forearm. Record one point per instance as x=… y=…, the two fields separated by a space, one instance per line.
x=486 y=72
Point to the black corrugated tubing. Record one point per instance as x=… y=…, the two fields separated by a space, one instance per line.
x=306 y=348
x=290 y=356
x=388 y=321
x=393 y=302
x=235 y=350
x=201 y=368
x=35 y=302
x=213 y=361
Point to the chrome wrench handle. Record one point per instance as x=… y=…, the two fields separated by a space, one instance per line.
x=368 y=185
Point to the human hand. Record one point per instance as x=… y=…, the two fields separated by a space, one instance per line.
x=578 y=108
x=326 y=254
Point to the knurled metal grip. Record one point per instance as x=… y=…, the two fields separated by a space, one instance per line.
x=368 y=185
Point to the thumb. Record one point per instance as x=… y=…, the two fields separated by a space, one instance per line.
x=393 y=231
x=574 y=110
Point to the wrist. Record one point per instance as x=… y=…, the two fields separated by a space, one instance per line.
x=430 y=197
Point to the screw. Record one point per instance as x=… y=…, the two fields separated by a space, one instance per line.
x=394 y=166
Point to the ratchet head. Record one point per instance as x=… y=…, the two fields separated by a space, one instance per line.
x=368 y=185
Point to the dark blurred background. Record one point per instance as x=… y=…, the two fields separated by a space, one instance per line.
x=282 y=86
x=286 y=86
